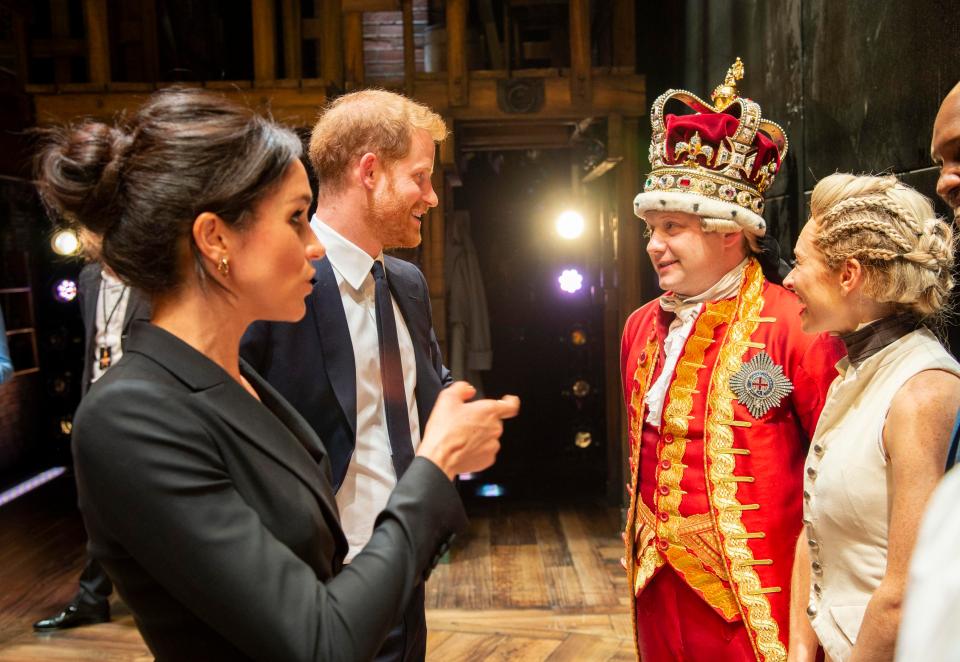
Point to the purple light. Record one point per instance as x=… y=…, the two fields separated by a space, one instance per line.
x=30 y=484
x=65 y=291
x=570 y=281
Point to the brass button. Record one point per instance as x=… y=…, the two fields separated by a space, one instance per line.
x=818 y=449
x=811 y=611
x=817 y=567
x=813 y=544
x=811 y=472
x=806 y=495
x=664 y=490
x=817 y=589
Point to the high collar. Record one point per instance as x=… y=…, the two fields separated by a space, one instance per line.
x=349 y=260
x=870 y=339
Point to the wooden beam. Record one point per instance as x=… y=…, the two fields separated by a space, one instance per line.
x=434 y=237
x=409 y=50
x=292 y=42
x=458 y=82
x=353 y=49
x=98 y=44
x=22 y=48
x=149 y=41
x=580 y=65
x=370 y=5
x=264 y=41
x=624 y=34
x=298 y=104
x=60 y=29
x=331 y=55
x=489 y=20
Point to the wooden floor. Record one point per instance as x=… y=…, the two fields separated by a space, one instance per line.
x=527 y=583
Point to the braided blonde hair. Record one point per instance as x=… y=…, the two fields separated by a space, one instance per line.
x=906 y=251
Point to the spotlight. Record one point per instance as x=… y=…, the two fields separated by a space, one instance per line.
x=583 y=439
x=570 y=224
x=65 y=290
x=581 y=388
x=570 y=281
x=65 y=242
x=578 y=337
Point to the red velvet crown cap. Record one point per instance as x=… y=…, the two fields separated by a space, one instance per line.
x=716 y=162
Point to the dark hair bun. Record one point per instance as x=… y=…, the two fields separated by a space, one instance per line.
x=78 y=173
x=140 y=185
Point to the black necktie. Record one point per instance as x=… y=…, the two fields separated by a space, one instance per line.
x=391 y=374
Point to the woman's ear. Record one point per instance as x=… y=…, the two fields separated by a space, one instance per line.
x=851 y=275
x=210 y=236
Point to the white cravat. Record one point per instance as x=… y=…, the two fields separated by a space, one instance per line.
x=686 y=311
x=370 y=475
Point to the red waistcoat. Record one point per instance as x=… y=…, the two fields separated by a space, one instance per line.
x=716 y=490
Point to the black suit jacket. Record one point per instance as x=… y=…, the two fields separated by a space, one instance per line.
x=215 y=516
x=88 y=291
x=311 y=362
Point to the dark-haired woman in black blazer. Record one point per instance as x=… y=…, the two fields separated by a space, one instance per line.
x=206 y=497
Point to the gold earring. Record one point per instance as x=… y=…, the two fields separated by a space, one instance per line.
x=224 y=267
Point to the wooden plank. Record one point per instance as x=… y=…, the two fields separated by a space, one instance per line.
x=579 y=647
x=292 y=42
x=370 y=5
x=22 y=46
x=264 y=40
x=519 y=579
x=470 y=581
x=353 y=49
x=149 y=41
x=60 y=28
x=590 y=569
x=458 y=82
x=330 y=47
x=98 y=44
x=580 y=65
x=409 y=50
x=434 y=241
x=611 y=93
x=624 y=36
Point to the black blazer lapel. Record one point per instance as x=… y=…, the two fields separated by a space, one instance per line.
x=409 y=297
x=334 y=336
x=257 y=423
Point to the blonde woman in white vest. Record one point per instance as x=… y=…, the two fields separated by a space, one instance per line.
x=874 y=267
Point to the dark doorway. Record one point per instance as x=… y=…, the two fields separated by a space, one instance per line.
x=547 y=343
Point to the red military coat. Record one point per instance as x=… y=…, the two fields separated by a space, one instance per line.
x=716 y=491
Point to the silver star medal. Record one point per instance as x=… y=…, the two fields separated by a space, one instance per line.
x=760 y=385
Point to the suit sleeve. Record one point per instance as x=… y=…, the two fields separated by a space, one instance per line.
x=436 y=356
x=169 y=502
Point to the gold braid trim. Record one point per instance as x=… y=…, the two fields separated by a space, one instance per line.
x=650 y=561
x=755 y=606
x=676 y=418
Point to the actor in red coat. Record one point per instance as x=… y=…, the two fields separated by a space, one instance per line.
x=723 y=391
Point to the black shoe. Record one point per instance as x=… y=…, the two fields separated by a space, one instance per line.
x=74 y=615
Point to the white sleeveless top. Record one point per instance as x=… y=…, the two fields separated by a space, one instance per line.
x=846 y=490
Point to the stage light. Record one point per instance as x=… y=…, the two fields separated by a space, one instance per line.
x=65 y=242
x=583 y=439
x=490 y=490
x=570 y=224
x=581 y=388
x=578 y=337
x=65 y=290
x=570 y=281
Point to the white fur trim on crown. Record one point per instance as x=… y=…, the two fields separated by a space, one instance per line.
x=700 y=205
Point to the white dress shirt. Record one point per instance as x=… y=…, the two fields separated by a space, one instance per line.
x=370 y=475
x=111 y=309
